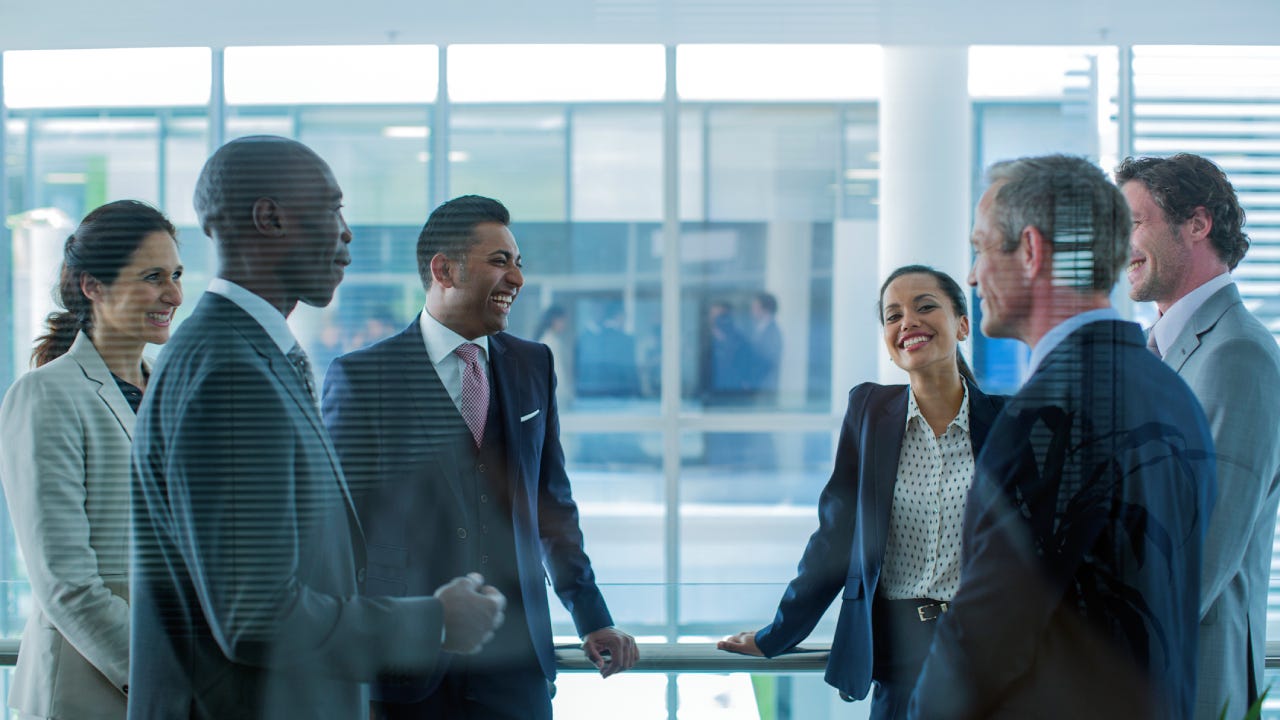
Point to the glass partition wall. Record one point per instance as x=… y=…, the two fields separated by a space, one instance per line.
x=698 y=398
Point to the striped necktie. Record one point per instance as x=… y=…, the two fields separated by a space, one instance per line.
x=298 y=359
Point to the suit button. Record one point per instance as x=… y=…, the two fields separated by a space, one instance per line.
x=462 y=533
x=484 y=498
x=360 y=575
x=484 y=559
x=480 y=467
x=484 y=529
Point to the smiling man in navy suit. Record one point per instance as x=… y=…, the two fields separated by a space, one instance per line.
x=449 y=435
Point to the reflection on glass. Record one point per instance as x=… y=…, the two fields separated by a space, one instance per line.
x=384 y=171
x=617 y=164
x=618 y=485
x=756 y=302
x=516 y=155
x=748 y=505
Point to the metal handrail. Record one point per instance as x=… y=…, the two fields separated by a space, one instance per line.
x=683 y=658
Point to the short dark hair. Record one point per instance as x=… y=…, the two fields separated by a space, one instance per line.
x=100 y=248
x=449 y=229
x=244 y=170
x=1077 y=209
x=1181 y=183
x=950 y=288
x=768 y=302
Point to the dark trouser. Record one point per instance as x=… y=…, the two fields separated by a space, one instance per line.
x=502 y=682
x=467 y=693
x=902 y=642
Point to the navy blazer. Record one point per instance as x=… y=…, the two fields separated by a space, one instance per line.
x=1079 y=596
x=247 y=556
x=391 y=438
x=847 y=550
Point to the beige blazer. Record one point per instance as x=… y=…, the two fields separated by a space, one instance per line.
x=65 y=470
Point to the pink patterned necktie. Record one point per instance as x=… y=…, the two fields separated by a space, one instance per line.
x=475 y=390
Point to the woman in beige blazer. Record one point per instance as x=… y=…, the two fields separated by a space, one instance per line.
x=65 y=462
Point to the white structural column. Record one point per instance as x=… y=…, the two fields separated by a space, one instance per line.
x=926 y=165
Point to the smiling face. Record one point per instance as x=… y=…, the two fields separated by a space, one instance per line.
x=921 y=327
x=1160 y=257
x=473 y=296
x=138 y=306
x=317 y=237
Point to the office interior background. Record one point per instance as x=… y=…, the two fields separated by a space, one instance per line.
x=663 y=161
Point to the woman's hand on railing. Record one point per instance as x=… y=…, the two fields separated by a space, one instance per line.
x=744 y=643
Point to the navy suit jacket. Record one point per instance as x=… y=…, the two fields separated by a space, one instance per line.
x=847 y=551
x=247 y=555
x=392 y=439
x=1079 y=596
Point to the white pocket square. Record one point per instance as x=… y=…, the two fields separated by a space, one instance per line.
x=530 y=416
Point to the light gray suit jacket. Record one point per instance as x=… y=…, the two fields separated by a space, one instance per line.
x=65 y=469
x=1232 y=364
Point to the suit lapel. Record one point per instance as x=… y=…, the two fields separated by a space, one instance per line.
x=1201 y=322
x=884 y=434
x=95 y=369
x=506 y=377
x=283 y=370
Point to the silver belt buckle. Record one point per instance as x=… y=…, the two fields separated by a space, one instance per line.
x=932 y=611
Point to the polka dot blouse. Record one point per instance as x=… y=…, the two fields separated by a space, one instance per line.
x=922 y=556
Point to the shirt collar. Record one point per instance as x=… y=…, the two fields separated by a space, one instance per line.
x=961 y=420
x=263 y=312
x=1054 y=337
x=1169 y=326
x=441 y=341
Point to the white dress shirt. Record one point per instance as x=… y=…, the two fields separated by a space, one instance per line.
x=441 y=342
x=1059 y=332
x=1169 y=325
x=263 y=312
x=922 y=554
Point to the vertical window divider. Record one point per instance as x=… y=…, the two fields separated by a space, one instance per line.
x=1124 y=123
x=438 y=185
x=217 y=100
x=671 y=351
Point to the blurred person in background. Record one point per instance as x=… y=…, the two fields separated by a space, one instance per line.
x=553 y=331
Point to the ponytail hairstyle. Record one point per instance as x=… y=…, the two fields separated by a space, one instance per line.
x=99 y=248
x=950 y=288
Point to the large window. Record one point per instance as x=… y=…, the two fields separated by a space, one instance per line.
x=686 y=256
x=1221 y=102
x=669 y=491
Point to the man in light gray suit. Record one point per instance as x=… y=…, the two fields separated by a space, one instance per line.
x=1186 y=240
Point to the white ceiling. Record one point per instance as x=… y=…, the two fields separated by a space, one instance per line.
x=47 y=24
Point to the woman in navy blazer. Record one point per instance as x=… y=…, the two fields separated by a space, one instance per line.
x=924 y=316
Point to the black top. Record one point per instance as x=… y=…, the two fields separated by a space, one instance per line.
x=131 y=392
